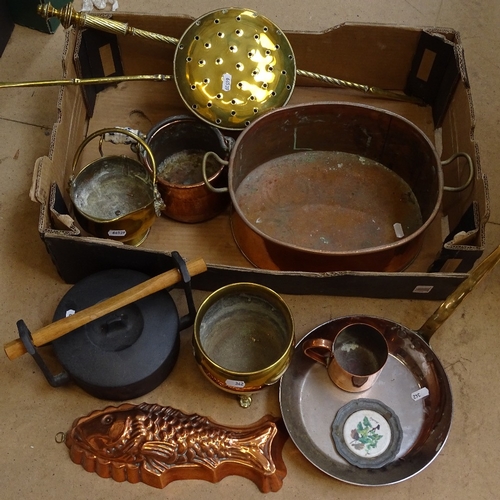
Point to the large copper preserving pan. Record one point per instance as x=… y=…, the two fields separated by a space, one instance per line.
x=333 y=186
x=413 y=384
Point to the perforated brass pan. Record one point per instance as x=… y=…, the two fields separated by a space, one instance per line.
x=231 y=65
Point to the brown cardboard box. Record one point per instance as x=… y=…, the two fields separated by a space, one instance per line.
x=389 y=57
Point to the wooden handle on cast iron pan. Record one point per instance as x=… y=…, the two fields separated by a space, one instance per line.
x=444 y=311
x=46 y=334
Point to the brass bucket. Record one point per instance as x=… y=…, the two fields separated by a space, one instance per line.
x=115 y=197
x=243 y=339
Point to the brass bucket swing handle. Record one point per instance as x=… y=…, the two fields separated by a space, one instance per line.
x=102 y=132
x=157 y=199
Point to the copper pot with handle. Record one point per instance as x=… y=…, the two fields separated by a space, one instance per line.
x=334 y=186
x=178 y=144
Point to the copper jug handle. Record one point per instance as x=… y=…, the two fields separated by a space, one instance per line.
x=319 y=350
x=204 y=172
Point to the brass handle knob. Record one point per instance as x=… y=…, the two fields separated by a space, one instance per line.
x=70 y=17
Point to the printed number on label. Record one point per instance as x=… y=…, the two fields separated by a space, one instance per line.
x=420 y=394
x=235 y=383
x=117 y=232
x=226 y=82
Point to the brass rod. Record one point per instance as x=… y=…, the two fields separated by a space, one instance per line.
x=86 y=81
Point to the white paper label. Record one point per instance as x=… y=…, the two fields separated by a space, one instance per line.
x=226 y=82
x=239 y=384
x=70 y=312
x=117 y=232
x=423 y=289
x=398 y=230
x=420 y=394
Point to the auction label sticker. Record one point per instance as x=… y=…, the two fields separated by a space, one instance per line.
x=117 y=232
x=226 y=82
x=420 y=394
x=237 y=384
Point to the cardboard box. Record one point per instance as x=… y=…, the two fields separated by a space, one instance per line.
x=427 y=63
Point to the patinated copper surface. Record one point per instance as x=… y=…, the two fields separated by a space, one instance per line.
x=332 y=186
x=178 y=144
x=156 y=445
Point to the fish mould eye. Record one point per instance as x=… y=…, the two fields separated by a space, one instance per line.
x=107 y=420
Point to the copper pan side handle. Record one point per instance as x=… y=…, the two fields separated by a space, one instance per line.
x=46 y=334
x=319 y=350
x=443 y=312
x=470 y=163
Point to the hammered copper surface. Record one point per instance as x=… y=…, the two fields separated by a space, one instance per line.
x=156 y=445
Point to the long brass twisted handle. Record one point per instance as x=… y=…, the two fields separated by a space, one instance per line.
x=361 y=88
x=69 y=17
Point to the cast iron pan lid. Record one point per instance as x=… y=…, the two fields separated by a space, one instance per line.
x=126 y=353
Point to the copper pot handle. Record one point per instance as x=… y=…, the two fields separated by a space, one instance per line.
x=204 y=172
x=319 y=350
x=471 y=171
